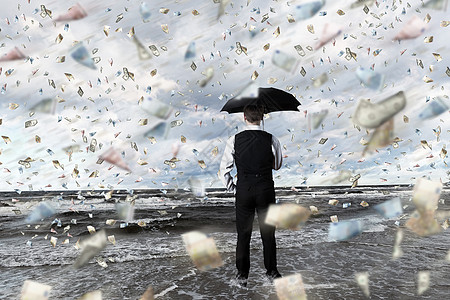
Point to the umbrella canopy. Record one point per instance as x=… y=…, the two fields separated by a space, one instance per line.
x=271 y=99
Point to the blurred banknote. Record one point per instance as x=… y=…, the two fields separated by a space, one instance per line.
x=287 y=216
x=382 y=137
x=75 y=12
x=113 y=157
x=344 y=230
x=202 y=250
x=95 y=295
x=317 y=82
x=412 y=29
x=143 y=54
x=125 y=211
x=434 y=108
x=197 y=186
x=390 y=209
x=156 y=108
x=81 y=55
x=190 y=51
x=372 y=115
x=329 y=32
x=307 y=10
x=424 y=223
x=161 y=129
x=90 y=247
x=47 y=106
x=316 y=118
x=14 y=54
x=148 y=295
x=362 y=279
x=423 y=281
x=42 y=211
x=284 y=61
x=359 y=3
x=144 y=10
x=209 y=73
x=426 y=194
x=32 y=290
x=370 y=78
x=397 y=252
x=290 y=287
x=437 y=4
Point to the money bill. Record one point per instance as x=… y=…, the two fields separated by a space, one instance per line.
x=202 y=250
x=156 y=108
x=434 y=108
x=390 y=209
x=284 y=61
x=287 y=216
x=370 y=78
x=290 y=287
x=125 y=211
x=344 y=230
x=95 y=295
x=412 y=29
x=32 y=290
x=42 y=211
x=362 y=279
x=113 y=157
x=148 y=295
x=423 y=282
x=80 y=54
x=397 y=252
x=372 y=115
x=307 y=10
x=382 y=137
x=90 y=247
x=144 y=11
x=426 y=194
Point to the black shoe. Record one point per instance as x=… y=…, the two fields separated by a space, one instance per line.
x=273 y=274
x=241 y=279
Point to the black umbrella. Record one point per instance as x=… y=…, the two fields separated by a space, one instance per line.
x=271 y=99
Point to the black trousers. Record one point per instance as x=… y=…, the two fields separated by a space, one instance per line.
x=254 y=194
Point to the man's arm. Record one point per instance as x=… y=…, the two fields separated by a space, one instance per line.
x=276 y=150
x=226 y=166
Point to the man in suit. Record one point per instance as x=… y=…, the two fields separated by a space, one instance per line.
x=255 y=153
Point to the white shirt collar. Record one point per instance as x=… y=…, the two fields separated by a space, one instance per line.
x=252 y=127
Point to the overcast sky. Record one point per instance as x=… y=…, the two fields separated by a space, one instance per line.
x=111 y=112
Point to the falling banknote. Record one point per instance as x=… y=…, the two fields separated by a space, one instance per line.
x=372 y=115
x=307 y=10
x=90 y=247
x=423 y=281
x=412 y=29
x=82 y=56
x=95 y=295
x=284 y=61
x=434 y=108
x=344 y=230
x=42 y=211
x=398 y=252
x=425 y=197
x=156 y=108
x=202 y=250
x=32 y=290
x=382 y=137
x=290 y=287
x=287 y=216
x=362 y=279
x=390 y=209
x=370 y=78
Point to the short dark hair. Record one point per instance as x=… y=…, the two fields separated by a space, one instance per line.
x=253 y=113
